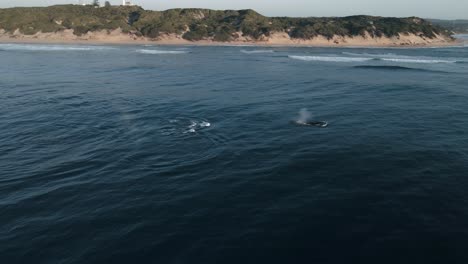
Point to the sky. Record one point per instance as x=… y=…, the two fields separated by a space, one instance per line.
x=444 y=9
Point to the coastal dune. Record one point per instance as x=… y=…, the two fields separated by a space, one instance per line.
x=276 y=39
x=133 y=25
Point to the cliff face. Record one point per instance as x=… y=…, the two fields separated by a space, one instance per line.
x=202 y=25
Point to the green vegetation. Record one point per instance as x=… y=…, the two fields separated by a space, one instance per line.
x=81 y=19
x=199 y=24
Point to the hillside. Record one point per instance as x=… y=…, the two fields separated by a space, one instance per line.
x=207 y=25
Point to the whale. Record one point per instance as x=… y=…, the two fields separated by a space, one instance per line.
x=313 y=123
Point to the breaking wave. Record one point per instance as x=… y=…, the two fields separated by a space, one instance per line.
x=401 y=58
x=147 y=51
x=329 y=59
x=256 y=51
x=393 y=68
x=427 y=61
x=385 y=55
x=40 y=47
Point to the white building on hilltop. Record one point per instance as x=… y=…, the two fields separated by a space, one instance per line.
x=127 y=3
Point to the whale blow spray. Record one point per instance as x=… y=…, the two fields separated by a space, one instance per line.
x=304 y=116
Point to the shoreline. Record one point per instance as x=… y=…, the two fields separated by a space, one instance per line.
x=123 y=25
x=218 y=44
x=117 y=38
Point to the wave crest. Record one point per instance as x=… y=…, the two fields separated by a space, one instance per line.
x=401 y=58
x=426 y=61
x=329 y=59
x=393 y=68
x=256 y=51
x=40 y=47
x=385 y=55
x=147 y=51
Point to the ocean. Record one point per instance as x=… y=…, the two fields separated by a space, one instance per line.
x=188 y=154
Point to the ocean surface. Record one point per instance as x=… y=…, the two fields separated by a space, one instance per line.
x=166 y=154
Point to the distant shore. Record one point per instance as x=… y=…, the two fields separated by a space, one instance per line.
x=116 y=37
x=75 y=24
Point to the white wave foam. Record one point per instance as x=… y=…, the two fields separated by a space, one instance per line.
x=385 y=55
x=205 y=124
x=256 y=51
x=147 y=51
x=329 y=59
x=189 y=125
x=185 y=125
x=194 y=125
x=426 y=61
x=403 y=59
x=38 y=47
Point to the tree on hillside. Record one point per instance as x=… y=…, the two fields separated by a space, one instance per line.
x=107 y=4
x=95 y=2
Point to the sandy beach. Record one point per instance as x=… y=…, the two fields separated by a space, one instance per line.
x=275 y=39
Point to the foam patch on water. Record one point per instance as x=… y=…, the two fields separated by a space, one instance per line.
x=256 y=51
x=384 y=55
x=329 y=58
x=401 y=58
x=426 y=61
x=159 y=52
x=197 y=125
x=40 y=47
x=184 y=125
x=205 y=124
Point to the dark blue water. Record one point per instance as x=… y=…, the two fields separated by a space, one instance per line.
x=146 y=154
